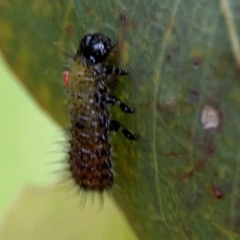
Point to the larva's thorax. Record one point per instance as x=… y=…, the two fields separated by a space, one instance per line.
x=81 y=79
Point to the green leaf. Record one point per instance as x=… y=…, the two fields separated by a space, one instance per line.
x=181 y=179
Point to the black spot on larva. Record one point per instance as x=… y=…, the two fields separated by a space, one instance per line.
x=89 y=154
x=79 y=125
x=106 y=152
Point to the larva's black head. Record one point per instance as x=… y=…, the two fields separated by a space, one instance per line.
x=95 y=47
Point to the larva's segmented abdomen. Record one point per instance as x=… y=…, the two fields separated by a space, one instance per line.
x=89 y=155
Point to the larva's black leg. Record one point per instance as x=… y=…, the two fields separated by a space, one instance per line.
x=104 y=100
x=113 y=70
x=114 y=100
x=115 y=126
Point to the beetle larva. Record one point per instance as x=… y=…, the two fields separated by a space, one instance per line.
x=87 y=80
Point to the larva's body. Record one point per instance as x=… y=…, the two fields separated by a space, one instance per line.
x=86 y=81
x=89 y=156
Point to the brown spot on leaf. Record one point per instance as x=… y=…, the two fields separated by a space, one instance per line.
x=188 y=133
x=237 y=222
x=233 y=223
x=171 y=54
x=186 y=230
x=217 y=192
x=192 y=171
x=167 y=111
x=167 y=108
x=193 y=96
x=69 y=29
x=211 y=149
x=145 y=105
x=173 y=154
x=87 y=9
x=194 y=93
x=237 y=67
x=168 y=57
x=197 y=62
x=126 y=24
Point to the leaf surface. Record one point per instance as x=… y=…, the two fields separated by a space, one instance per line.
x=181 y=179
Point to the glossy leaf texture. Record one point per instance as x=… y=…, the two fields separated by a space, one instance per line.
x=181 y=179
